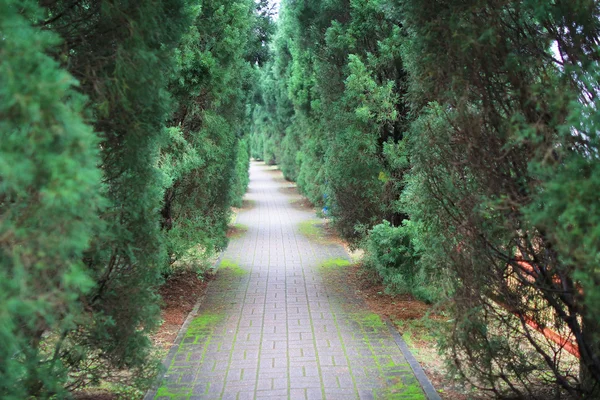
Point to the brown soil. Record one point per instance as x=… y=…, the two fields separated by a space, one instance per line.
x=180 y=293
x=95 y=395
x=298 y=201
x=247 y=204
x=288 y=190
x=281 y=180
x=302 y=203
x=394 y=307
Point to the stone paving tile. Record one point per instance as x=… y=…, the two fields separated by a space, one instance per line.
x=271 y=328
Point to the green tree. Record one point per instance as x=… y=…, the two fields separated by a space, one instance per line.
x=49 y=203
x=330 y=101
x=121 y=53
x=503 y=120
x=94 y=149
x=207 y=159
x=475 y=149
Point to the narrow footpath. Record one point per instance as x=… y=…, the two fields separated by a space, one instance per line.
x=272 y=324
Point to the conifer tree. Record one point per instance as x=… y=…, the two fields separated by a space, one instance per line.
x=49 y=203
x=92 y=144
x=121 y=54
x=474 y=150
x=208 y=156
x=501 y=126
x=331 y=101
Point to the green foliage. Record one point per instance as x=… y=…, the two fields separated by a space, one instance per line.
x=499 y=128
x=395 y=254
x=49 y=199
x=330 y=100
x=207 y=160
x=456 y=141
x=476 y=124
x=122 y=68
x=241 y=177
x=290 y=155
x=566 y=210
x=123 y=149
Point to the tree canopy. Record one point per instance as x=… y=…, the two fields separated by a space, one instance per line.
x=123 y=149
x=455 y=142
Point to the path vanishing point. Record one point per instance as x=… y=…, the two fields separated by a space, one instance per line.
x=279 y=322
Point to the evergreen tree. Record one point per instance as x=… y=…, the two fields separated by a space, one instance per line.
x=456 y=141
x=49 y=203
x=121 y=53
x=468 y=158
x=91 y=158
x=331 y=101
x=501 y=125
x=208 y=156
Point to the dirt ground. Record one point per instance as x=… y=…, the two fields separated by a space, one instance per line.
x=180 y=293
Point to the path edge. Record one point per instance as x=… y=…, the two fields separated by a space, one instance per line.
x=168 y=360
x=430 y=392
x=424 y=381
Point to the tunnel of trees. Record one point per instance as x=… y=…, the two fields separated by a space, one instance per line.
x=455 y=142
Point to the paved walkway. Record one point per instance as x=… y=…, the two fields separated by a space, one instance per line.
x=278 y=322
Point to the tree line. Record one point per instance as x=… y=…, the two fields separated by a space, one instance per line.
x=457 y=143
x=123 y=149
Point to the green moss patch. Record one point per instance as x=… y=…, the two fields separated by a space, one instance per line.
x=202 y=325
x=236 y=230
x=313 y=230
x=310 y=230
x=401 y=391
x=174 y=393
x=369 y=321
x=232 y=268
x=335 y=263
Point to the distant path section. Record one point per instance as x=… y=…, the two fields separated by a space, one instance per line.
x=279 y=322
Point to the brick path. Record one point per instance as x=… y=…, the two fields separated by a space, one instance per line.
x=278 y=322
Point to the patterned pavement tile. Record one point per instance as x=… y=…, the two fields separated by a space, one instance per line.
x=277 y=322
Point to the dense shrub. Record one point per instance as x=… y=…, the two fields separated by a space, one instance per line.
x=395 y=254
x=241 y=177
